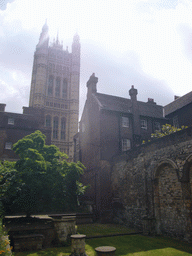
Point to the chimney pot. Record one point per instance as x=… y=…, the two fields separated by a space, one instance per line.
x=2 y=107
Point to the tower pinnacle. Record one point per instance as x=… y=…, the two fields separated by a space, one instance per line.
x=44 y=37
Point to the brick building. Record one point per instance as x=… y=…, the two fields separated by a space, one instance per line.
x=109 y=126
x=15 y=126
x=179 y=111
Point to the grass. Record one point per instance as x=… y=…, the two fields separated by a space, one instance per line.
x=127 y=245
x=103 y=229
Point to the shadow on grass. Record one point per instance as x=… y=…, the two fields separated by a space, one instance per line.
x=97 y=229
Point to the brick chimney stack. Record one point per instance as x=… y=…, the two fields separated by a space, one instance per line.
x=92 y=84
x=135 y=110
x=2 y=107
x=133 y=93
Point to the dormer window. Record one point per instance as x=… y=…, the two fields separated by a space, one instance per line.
x=11 y=120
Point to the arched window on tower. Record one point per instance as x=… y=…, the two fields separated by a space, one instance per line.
x=64 y=89
x=63 y=128
x=57 y=87
x=50 y=67
x=55 y=127
x=50 y=86
x=48 y=121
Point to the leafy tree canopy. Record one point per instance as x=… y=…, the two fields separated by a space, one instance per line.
x=166 y=130
x=41 y=180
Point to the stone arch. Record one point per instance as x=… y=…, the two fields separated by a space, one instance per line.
x=186 y=182
x=186 y=169
x=168 y=201
x=162 y=163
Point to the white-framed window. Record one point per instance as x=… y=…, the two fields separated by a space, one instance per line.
x=144 y=124
x=126 y=144
x=8 y=145
x=157 y=126
x=125 y=121
x=11 y=120
x=175 y=122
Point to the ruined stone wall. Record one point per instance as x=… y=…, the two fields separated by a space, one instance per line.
x=155 y=181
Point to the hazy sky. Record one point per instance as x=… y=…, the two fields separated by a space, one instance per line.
x=145 y=43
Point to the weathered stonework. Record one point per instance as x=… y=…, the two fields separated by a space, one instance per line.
x=78 y=245
x=154 y=182
x=64 y=228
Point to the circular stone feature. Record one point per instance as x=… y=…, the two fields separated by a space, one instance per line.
x=78 y=236
x=105 y=250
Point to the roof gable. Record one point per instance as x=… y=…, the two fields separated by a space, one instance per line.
x=178 y=103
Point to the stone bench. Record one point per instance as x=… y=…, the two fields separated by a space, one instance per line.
x=105 y=250
x=31 y=242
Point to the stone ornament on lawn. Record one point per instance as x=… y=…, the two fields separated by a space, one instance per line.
x=105 y=250
x=78 y=245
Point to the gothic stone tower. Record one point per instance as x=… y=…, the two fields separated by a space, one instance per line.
x=55 y=89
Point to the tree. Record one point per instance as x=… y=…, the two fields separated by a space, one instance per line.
x=41 y=180
x=166 y=130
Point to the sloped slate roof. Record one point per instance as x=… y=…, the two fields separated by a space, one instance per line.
x=124 y=105
x=114 y=103
x=150 y=109
x=178 y=103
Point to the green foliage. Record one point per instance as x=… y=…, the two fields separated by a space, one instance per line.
x=41 y=180
x=5 y=249
x=166 y=130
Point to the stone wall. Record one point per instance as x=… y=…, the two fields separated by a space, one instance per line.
x=39 y=232
x=154 y=181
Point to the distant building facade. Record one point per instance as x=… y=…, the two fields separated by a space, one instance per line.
x=55 y=89
x=15 y=126
x=109 y=126
x=179 y=111
x=54 y=99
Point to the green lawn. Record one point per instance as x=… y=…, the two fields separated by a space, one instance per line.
x=103 y=229
x=136 y=245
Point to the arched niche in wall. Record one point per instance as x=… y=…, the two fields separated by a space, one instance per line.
x=186 y=182
x=168 y=199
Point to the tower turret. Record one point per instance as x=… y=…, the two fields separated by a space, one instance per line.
x=44 y=37
x=75 y=66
